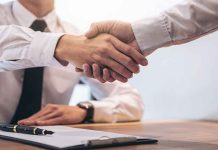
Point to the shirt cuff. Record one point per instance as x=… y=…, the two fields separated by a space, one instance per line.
x=104 y=111
x=151 y=33
x=43 y=47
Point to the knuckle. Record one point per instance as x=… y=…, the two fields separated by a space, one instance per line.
x=100 y=51
x=129 y=62
x=98 y=59
x=59 y=112
x=108 y=38
x=39 y=123
x=128 y=50
x=104 y=50
x=122 y=69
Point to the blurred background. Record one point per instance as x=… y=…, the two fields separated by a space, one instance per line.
x=180 y=82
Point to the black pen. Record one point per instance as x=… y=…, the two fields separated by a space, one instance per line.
x=24 y=129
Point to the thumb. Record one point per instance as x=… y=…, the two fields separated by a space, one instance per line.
x=93 y=31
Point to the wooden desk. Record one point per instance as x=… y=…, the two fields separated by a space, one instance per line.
x=178 y=135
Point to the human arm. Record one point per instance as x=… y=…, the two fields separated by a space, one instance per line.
x=116 y=102
x=21 y=48
x=104 y=50
x=55 y=114
x=183 y=23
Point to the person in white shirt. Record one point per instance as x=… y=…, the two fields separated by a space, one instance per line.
x=185 y=22
x=117 y=102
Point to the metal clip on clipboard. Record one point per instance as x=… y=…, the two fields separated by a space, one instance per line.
x=111 y=141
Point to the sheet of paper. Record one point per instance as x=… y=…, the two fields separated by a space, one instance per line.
x=64 y=136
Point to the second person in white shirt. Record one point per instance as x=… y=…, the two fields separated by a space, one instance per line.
x=117 y=102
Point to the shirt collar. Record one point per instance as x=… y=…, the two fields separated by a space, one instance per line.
x=25 y=17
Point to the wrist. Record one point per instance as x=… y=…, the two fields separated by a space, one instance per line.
x=60 y=53
x=70 y=49
x=89 y=108
x=82 y=112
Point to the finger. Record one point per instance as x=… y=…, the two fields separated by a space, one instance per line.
x=42 y=112
x=27 y=122
x=131 y=65
x=130 y=51
x=78 y=70
x=49 y=116
x=88 y=70
x=118 y=77
x=107 y=76
x=97 y=73
x=53 y=121
x=112 y=64
x=33 y=119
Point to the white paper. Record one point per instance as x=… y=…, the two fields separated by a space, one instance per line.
x=64 y=136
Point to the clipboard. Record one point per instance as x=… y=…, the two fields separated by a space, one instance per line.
x=100 y=142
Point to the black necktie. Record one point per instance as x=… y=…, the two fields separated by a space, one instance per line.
x=30 y=100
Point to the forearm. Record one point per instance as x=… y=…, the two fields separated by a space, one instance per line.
x=21 y=48
x=120 y=108
x=183 y=23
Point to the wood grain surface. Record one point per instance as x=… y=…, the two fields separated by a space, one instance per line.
x=172 y=135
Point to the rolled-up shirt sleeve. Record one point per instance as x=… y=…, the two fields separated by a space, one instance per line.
x=184 y=22
x=21 y=47
x=116 y=102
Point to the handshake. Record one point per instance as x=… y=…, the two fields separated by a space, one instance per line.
x=108 y=52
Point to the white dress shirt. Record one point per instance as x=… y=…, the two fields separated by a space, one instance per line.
x=183 y=23
x=21 y=47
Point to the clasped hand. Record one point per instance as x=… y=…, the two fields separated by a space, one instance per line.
x=124 y=32
x=106 y=53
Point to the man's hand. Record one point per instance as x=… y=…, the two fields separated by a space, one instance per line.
x=56 y=115
x=123 y=31
x=104 y=50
